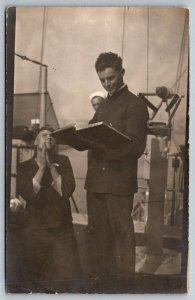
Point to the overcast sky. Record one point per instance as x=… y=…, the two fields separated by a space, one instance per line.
x=74 y=38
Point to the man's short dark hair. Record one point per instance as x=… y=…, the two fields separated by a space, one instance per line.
x=45 y=127
x=108 y=60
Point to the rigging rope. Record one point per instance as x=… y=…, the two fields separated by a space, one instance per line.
x=148 y=49
x=179 y=78
x=179 y=75
x=181 y=55
x=123 y=32
x=146 y=157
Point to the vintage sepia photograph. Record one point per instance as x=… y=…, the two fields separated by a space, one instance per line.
x=97 y=103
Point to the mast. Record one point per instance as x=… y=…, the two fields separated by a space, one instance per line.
x=43 y=91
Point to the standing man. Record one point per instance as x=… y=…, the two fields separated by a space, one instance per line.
x=50 y=254
x=112 y=174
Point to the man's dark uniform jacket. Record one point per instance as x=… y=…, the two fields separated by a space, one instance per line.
x=114 y=171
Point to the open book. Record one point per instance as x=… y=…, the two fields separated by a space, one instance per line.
x=81 y=138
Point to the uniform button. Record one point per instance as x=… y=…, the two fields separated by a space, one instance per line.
x=103 y=169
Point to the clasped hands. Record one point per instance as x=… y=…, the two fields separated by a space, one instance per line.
x=45 y=158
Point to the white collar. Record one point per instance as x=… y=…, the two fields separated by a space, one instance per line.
x=118 y=89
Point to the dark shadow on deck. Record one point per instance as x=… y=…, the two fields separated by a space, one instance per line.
x=141 y=283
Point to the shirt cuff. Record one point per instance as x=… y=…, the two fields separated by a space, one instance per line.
x=57 y=185
x=36 y=186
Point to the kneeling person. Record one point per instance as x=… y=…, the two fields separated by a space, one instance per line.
x=46 y=182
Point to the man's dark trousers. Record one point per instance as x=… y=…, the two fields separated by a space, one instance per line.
x=114 y=231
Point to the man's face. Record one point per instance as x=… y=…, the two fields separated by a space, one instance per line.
x=96 y=101
x=111 y=79
x=44 y=138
